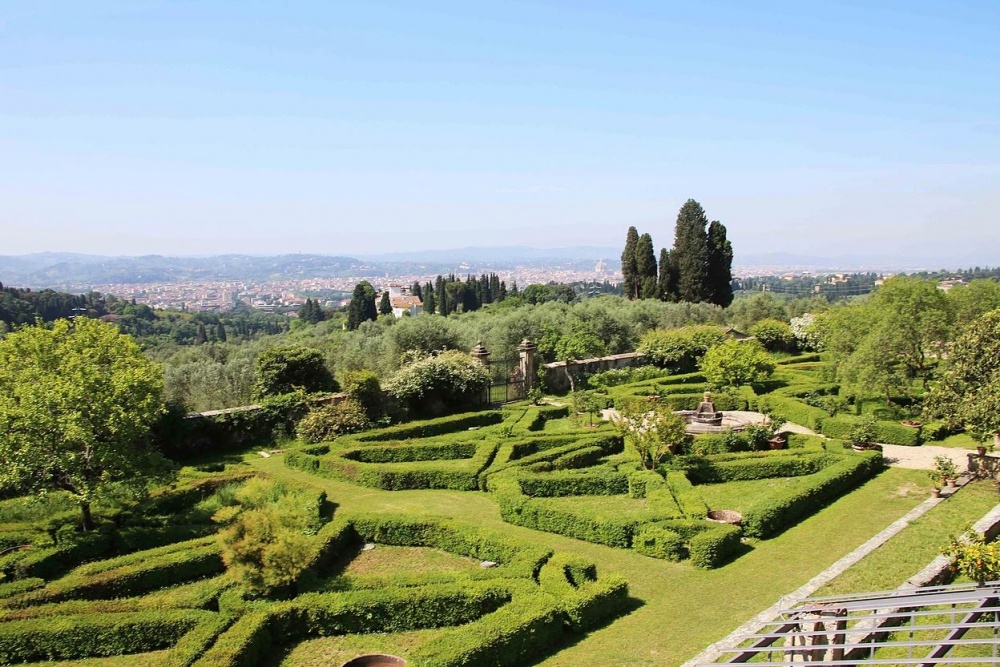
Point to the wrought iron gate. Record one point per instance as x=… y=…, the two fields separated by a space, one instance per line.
x=507 y=381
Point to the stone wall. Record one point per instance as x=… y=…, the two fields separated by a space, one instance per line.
x=557 y=374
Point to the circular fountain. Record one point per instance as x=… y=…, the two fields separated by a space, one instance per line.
x=374 y=660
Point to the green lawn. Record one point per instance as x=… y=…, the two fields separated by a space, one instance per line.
x=741 y=495
x=909 y=551
x=680 y=609
x=959 y=440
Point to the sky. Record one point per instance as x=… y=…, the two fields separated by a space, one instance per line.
x=338 y=127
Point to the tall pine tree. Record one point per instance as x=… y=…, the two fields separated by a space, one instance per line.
x=689 y=257
x=645 y=268
x=630 y=273
x=720 y=265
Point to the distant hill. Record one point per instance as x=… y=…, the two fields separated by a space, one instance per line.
x=70 y=271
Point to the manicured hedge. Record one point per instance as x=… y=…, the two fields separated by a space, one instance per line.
x=714 y=547
x=754 y=465
x=658 y=542
x=795 y=411
x=544 y=413
x=94 y=635
x=685 y=495
x=133 y=574
x=800 y=359
x=245 y=644
x=517 y=558
x=890 y=433
x=771 y=516
x=594 y=482
x=195 y=643
x=594 y=603
x=510 y=637
x=431 y=427
x=12 y=588
x=410 y=453
x=388 y=610
x=51 y=562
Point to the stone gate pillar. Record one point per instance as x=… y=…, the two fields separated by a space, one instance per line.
x=481 y=354
x=527 y=350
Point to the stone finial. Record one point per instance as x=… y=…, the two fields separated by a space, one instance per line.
x=480 y=353
x=527 y=345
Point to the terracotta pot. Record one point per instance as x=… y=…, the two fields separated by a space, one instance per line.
x=981 y=451
x=935 y=492
x=951 y=482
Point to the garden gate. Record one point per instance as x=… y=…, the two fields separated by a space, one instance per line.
x=506 y=380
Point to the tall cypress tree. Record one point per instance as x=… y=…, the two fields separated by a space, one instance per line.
x=667 y=278
x=630 y=273
x=690 y=254
x=720 y=265
x=362 y=306
x=220 y=332
x=201 y=336
x=645 y=268
x=385 y=305
x=429 y=302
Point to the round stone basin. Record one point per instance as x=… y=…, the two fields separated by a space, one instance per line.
x=726 y=516
x=374 y=660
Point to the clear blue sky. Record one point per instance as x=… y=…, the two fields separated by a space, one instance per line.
x=196 y=127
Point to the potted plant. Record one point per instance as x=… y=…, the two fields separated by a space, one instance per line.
x=945 y=469
x=862 y=435
x=937 y=481
x=984 y=447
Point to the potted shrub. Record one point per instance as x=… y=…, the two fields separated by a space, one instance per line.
x=937 y=481
x=984 y=447
x=974 y=557
x=862 y=435
x=946 y=470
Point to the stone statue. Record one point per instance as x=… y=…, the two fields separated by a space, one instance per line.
x=706 y=412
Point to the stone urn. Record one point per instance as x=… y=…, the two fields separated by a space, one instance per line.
x=777 y=442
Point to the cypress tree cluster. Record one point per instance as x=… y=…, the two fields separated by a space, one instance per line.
x=698 y=268
x=362 y=306
x=311 y=312
x=448 y=293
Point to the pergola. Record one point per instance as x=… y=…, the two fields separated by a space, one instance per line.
x=943 y=625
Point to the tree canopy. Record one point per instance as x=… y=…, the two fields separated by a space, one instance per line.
x=77 y=404
x=736 y=363
x=969 y=389
x=282 y=370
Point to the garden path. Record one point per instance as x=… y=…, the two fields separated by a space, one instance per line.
x=922 y=458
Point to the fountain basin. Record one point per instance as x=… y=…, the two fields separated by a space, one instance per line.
x=374 y=660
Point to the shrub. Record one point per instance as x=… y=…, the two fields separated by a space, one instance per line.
x=269 y=544
x=844 y=427
x=657 y=542
x=774 y=335
x=752 y=466
x=245 y=643
x=364 y=387
x=333 y=420
x=448 y=382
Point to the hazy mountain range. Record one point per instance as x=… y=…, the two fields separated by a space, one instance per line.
x=73 y=270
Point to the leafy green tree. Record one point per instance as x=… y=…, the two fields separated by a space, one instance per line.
x=737 y=363
x=645 y=267
x=579 y=345
x=720 y=265
x=974 y=300
x=690 y=254
x=968 y=392
x=362 y=306
x=365 y=388
x=746 y=312
x=774 y=335
x=631 y=284
x=385 y=305
x=77 y=405
x=653 y=431
x=282 y=370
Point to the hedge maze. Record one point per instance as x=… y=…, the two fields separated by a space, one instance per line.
x=174 y=604
x=155 y=581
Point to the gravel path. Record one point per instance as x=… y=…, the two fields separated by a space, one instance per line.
x=922 y=458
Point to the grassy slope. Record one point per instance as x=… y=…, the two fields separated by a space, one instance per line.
x=683 y=609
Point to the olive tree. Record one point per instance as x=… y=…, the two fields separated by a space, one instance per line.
x=736 y=363
x=77 y=404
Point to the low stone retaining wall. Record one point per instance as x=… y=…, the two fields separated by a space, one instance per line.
x=557 y=374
